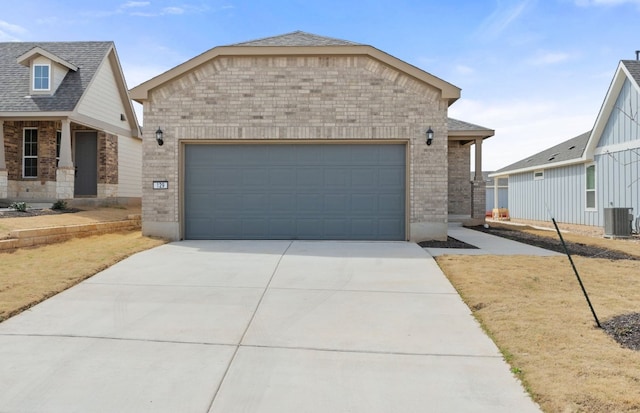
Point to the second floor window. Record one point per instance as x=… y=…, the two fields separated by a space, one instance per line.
x=41 y=77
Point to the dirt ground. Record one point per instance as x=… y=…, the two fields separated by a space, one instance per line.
x=535 y=311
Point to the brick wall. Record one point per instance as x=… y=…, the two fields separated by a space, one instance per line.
x=13 y=132
x=459 y=180
x=107 y=158
x=298 y=97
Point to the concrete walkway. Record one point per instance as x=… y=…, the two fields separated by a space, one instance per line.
x=487 y=245
x=257 y=326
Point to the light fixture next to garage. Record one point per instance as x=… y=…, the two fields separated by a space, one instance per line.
x=159 y=134
x=429 y=136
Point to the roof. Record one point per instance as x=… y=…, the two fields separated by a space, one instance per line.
x=15 y=77
x=466 y=132
x=567 y=151
x=296 y=44
x=297 y=38
x=633 y=66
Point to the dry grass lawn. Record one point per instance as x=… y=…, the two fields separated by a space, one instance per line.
x=31 y=275
x=534 y=310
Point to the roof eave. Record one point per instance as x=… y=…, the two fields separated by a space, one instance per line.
x=532 y=168
x=449 y=91
x=480 y=133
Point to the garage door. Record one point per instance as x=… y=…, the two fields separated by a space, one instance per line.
x=342 y=192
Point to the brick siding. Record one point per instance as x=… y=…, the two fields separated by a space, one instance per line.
x=269 y=98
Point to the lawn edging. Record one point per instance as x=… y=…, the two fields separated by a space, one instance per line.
x=50 y=235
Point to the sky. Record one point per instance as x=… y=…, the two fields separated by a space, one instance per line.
x=535 y=71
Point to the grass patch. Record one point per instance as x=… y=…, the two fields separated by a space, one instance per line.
x=31 y=275
x=534 y=310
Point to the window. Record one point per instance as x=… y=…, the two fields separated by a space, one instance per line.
x=537 y=175
x=591 y=186
x=30 y=153
x=58 y=140
x=41 y=77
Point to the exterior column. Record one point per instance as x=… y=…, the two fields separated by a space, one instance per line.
x=479 y=190
x=4 y=183
x=3 y=164
x=478 y=148
x=495 y=192
x=65 y=145
x=65 y=174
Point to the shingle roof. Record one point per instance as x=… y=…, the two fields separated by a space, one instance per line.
x=15 y=78
x=565 y=151
x=633 y=66
x=297 y=38
x=462 y=126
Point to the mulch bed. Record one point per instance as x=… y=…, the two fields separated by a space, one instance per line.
x=554 y=244
x=625 y=329
x=449 y=243
x=36 y=212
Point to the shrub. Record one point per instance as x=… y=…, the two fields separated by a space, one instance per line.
x=19 y=206
x=60 y=204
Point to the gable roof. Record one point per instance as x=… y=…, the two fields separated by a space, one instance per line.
x=567 y=152
x=291 y=44
x=459 y=127
x=15 y=77
x=297 y=38
x=627 y=70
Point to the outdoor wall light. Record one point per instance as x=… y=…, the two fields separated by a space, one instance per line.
x=159 y=134
x=429 y=136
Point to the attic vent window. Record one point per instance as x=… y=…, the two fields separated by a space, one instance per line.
x=537 y=175
x=572 y=147
x=41 y=77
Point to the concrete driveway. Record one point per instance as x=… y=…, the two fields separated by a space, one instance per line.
x=257 y=326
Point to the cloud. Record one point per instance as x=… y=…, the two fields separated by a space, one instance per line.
x=523 y=127
x=549 y=58
x=610 y=3
x=10 y=32
x=133 y=4
x=464 y=70
x=506 y=13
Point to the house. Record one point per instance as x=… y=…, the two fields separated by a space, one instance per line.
x=300 y=136
x=497 y=191
x=577 y=180
x=67 y=126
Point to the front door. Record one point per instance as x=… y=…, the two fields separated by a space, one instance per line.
x=86 y=161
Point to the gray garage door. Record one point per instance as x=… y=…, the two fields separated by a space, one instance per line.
x=352 y=192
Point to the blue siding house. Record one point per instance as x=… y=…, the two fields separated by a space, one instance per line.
x=576 y=180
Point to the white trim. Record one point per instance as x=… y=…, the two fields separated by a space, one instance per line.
x=38 y=51
x=618 y=147
x=594 y=190
x=30 y=157
x=33 y=77
x=538 y=175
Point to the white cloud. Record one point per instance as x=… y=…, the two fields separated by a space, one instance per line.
x=587 y=3
x=10 y=32
x=548 y=58
x=173 y=10
x=133 y=4
x=523 y=127
x=464 y=70
x=505 y=14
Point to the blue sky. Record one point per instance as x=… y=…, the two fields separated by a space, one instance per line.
x=536 y=71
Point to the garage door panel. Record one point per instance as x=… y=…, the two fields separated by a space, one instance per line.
x=333 y=191
x=282 y=177
x=307 y=176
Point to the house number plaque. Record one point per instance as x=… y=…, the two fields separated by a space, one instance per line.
x=160 y=184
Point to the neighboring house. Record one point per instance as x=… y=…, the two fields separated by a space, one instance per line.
x=67 y=126
x=576 y=180
x=497 y=191
x=300 y=136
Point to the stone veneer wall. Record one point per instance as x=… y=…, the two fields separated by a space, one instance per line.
x=324 y=98
x=107 y=158
x=459 y=179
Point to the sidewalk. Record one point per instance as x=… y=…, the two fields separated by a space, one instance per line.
x=487 y=245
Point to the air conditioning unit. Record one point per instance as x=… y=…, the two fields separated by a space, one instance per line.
x=617 y=222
